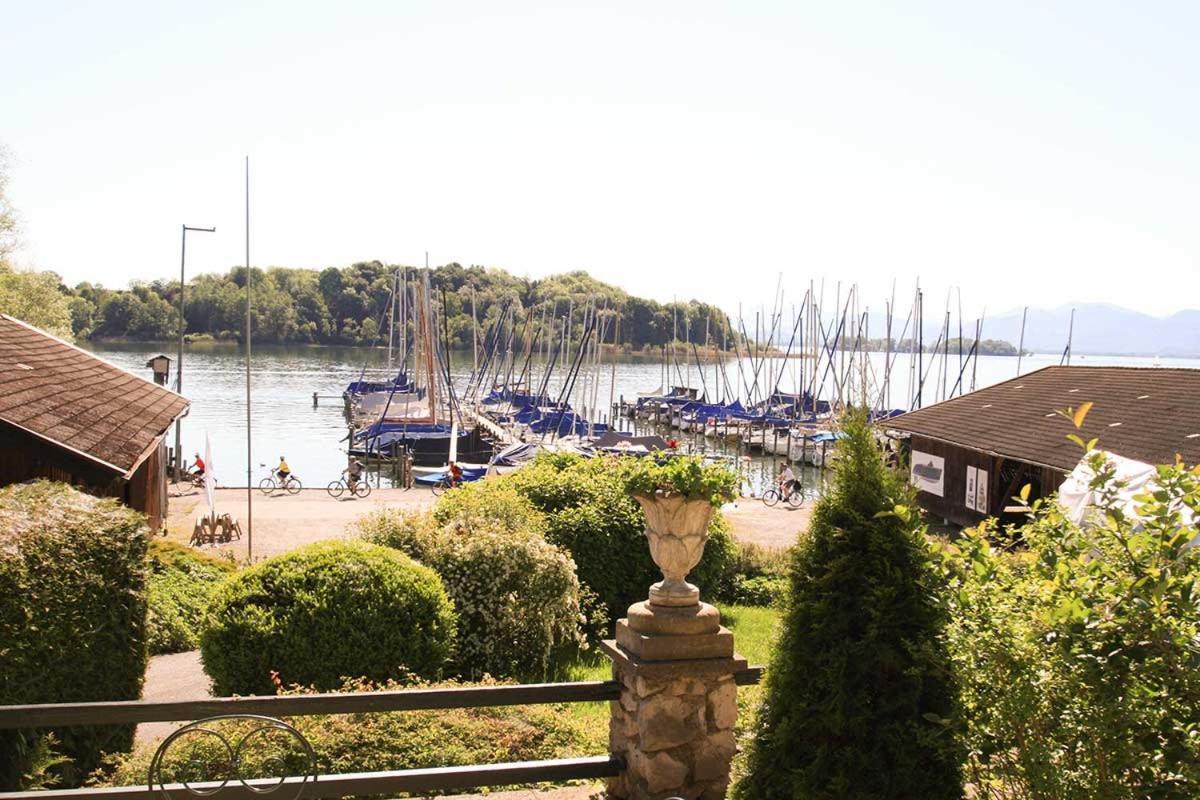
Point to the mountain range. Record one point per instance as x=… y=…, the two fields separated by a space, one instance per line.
x=1100 y=329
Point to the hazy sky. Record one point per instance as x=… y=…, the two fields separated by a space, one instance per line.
x=1026 y=152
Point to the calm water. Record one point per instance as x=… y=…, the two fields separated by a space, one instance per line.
x=284 y=379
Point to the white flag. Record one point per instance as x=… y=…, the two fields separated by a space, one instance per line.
x=210 y=480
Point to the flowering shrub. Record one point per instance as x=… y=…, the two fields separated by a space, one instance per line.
x=323 y=613
x=517 y=595
x=517 y=599
x=1079 y=654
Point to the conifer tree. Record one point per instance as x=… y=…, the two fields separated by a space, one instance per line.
x=859 y=699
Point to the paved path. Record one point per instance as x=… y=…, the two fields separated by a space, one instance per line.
x=776 y=527
x=178 y=676
x=284 y=522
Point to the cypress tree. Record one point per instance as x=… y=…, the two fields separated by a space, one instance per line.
x=859 y=698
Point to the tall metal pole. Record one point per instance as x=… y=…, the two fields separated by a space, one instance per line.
x=1021 y=346
x=249 y=457
x=182 y=328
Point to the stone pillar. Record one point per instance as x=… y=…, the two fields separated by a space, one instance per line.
x=674 y=721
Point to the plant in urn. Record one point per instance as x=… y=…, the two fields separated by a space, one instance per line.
x=678 y=499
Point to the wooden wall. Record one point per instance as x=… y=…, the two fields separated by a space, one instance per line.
x=952 y=505
x=24 y=457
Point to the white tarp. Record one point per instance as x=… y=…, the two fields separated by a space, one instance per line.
x=1077 y=497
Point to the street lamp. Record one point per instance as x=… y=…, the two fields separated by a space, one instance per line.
x=179 y=363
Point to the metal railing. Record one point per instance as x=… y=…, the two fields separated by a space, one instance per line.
x=261 y=715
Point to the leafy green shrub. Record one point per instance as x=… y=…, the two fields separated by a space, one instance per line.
x=323 y=613
x=72 y=621
x=1078 y=654
x=858 y=700
x=388 y=741
x=182 y=581
x=753 y=576
x=517 y=595
x=590 y=513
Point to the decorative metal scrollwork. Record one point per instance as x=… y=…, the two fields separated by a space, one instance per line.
x=204 y=757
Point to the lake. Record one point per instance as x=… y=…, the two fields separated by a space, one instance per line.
x=284 y=378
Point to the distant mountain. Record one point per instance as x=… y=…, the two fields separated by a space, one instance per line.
x=1101 y=329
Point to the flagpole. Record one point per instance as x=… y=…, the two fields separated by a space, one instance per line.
x=249 y=457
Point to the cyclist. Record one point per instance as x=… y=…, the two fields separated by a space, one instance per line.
x=353 y=472
x=787 y=480
x=283 y=470
x=198 y=468
x=456 y=474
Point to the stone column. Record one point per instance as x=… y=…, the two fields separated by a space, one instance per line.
x=675 y=662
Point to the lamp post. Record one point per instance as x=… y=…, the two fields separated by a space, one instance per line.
x=179 y=361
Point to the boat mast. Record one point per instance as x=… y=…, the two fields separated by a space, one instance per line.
x=1021 y=346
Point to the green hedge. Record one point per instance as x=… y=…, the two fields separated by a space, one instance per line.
x=182 y=581
x=516 y=595
x=387 y=741
x=72 y=619
x=323 y=613
x=591 y=514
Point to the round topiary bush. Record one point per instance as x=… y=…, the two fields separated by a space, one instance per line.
x=326 y=612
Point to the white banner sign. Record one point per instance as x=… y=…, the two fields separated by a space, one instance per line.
x=928 y=473
x=981 y=491
x=972 y=476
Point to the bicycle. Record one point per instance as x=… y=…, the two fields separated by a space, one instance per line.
x=443 y=484
x=291 y=484
x=337 y=488
x=795 y=497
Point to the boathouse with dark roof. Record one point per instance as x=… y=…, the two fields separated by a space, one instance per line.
x=69 y=416
x=969 y=456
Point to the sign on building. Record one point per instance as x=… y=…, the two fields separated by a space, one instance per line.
x=928 y=473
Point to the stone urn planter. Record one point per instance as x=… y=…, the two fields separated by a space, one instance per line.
x=677 y=529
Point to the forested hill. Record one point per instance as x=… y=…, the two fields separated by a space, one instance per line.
x=345 y=305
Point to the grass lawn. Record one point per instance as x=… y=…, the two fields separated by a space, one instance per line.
x=754 y=633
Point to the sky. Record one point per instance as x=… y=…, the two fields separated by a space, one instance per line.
x=1021 y=153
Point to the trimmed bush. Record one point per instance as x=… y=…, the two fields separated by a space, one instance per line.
x=858 y=698
x=72 y=621
x=591 y=514
x=516 y=595
x=323 y=613
x=388 y=741
x=182 y=581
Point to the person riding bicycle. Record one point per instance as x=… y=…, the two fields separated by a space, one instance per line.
x=283 y=470
x=353 y=473
x=198 y=467
x=787 y=480
x=456 y=473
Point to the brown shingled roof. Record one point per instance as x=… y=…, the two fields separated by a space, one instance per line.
x=1145 y=413
x=72 y=398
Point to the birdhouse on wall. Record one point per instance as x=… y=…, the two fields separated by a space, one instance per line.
x=161 y=366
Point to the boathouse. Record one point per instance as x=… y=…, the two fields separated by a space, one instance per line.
x=969 y=456
x=69 y=416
